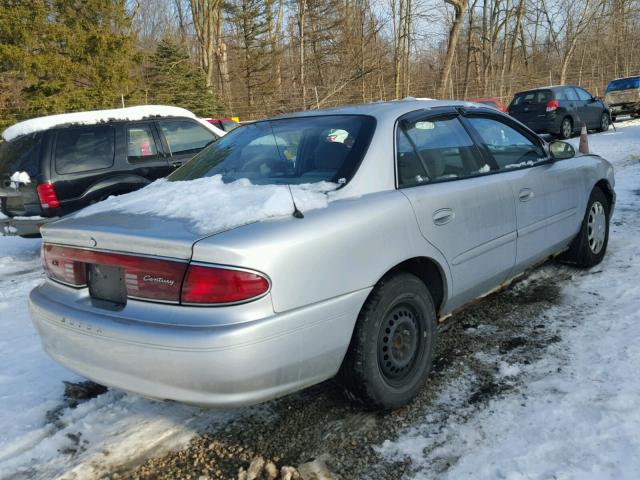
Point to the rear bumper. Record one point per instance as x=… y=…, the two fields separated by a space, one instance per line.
x=228 y=362
x=624 y=108
x=23 y=225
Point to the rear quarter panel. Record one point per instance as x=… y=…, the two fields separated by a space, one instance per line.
x=343 y=248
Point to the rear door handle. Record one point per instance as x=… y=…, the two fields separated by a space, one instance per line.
x=525 y=195
x=443 y=216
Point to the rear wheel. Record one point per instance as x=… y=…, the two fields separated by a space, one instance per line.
x=590 y=245
x=604 y=122
x=392 y=346
x=566 y=128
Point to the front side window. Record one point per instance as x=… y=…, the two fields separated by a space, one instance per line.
x=82 y=149
x=185 y=136
x=509 y=148
x=287 y=151
x=435 y=150
x=141 y=147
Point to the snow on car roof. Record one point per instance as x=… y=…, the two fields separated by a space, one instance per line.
x=99 y=116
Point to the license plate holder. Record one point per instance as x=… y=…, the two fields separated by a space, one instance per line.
x=107 y=283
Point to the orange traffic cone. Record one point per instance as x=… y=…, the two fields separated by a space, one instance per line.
x=584 y=141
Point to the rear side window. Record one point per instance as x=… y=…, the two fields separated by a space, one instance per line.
x=184 y=136
x=84 y=149
x=435 y=150
x=141 y=147
x=582 y=94
x=509 y=148
x=570 y=94
x=533 y=97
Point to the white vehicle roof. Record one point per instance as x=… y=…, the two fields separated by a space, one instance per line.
x=93 y=117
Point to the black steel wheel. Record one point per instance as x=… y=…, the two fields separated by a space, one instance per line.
x=391 y=350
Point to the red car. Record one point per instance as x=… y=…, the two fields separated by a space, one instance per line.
x=491 y=102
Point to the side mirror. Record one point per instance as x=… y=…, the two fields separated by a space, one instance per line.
x=561 y=150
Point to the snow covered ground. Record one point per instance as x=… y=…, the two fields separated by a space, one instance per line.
x=574 y=415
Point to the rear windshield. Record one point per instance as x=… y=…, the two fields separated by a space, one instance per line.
x=288 y=151
x=623 y=84
x=532 y=98
x=21 y=154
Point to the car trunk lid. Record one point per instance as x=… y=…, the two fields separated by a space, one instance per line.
x=623 y=96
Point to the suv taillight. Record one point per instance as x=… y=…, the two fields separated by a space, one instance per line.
x=553 y=105
x=158 y=280
x=215 y=285
x=47 y=195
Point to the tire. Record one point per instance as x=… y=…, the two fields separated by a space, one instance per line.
x=566 y=128
x=589 y=246
x=392 y=347
x=604 y=122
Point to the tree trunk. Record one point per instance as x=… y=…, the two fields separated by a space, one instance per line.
x=460 y=7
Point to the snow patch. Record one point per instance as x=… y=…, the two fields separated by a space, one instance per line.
x=100 y=116
x=210 y=205
x=20 y=177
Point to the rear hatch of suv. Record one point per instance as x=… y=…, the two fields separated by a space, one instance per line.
x=623 y=91
x=531 y=108
x=19 y=169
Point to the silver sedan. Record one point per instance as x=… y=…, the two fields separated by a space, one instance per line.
x=400 y=213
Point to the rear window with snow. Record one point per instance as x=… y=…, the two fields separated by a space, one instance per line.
x=286 y=151
x=83 y=149
x=21 y=154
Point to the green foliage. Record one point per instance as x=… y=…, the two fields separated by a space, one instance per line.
x=173 y=79
x=64 y=55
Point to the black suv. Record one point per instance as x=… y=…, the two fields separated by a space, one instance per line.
x=72 y=166
x=560 y=110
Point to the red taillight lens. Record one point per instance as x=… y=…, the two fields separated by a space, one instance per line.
x=47 y=195
x=145 y=278
x=213 y=285
x=552 y=106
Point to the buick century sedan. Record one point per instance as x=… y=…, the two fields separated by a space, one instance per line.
x=319 y=244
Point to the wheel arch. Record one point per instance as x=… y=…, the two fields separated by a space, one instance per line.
x=429 y=272
x=607 y=189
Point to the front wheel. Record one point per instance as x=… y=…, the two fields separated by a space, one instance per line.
x=604 y=122
x=590 y=245
x=392 y=346
x=566 y=128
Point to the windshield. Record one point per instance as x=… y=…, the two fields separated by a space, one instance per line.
x=288 y=151
x=20 y=154
x=623 y=84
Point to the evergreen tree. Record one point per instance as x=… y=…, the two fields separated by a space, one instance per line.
x=173 y=79
x=65 y=55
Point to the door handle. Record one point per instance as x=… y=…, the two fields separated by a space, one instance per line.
x=525 y=195
x=443 y=216
x=176 y=164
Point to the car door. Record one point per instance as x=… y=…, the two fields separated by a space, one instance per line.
x=546 y=192
x=144 y=151
x=585 y=111
x=593 y=108
x=464 y=211
x=183 y=138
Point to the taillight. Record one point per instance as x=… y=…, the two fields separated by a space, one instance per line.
x=214 y=285
x=157 y=280
x=47 y=195
x=553 y=105
x=145 y=278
